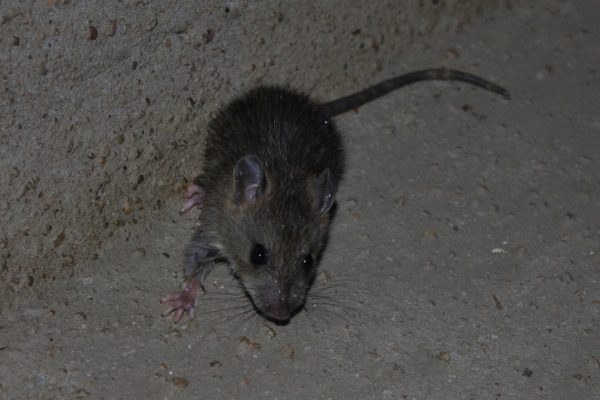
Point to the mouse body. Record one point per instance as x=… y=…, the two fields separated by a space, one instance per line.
x=272 y=164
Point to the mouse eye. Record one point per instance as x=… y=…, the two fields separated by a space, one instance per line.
x=258 y=256
x=307 y=262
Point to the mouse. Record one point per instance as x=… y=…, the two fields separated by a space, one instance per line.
x=273 y=160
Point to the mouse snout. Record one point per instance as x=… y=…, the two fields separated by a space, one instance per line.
x=278 y=311
x=275 y=305
x=280 y=305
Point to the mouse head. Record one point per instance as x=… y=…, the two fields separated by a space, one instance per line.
x=282 y=229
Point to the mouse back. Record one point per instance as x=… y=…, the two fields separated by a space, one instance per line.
x=283 y=128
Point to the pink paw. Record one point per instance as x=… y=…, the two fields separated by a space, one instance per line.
x=183 y=301
x=194 y=196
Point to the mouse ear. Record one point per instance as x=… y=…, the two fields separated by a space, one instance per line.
x=248 y=180
x=325 y=187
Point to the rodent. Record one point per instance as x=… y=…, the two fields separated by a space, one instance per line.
x=272 y=164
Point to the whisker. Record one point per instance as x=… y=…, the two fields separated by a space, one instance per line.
x=242 y=319
x=327 y=302
x=231 y=295
x=223 y=309
x=315 y=312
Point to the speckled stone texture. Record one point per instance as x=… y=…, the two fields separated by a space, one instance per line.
x=464 y=258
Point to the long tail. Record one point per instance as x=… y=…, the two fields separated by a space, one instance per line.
x=341 y=105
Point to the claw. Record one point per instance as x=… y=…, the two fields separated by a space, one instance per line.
x=169 y=297
x=194 y=197
x=178 y=315
x=184 y=301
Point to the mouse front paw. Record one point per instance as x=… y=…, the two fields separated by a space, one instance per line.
x=194 y=197
x=184 y=301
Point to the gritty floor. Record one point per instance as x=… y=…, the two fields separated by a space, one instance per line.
x=463 y=263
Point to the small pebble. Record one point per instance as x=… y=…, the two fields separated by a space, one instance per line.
x=254 y=345
x=323 y=276
x=499 y=305
x=400 y=201
x=59 y=239
x=113 y=27
x=270 y=332
x=288 y=351
x=93 y=33
x=180 y=382
x=444 y=356
x=139 y=252
x=127 y=209
x=208 y=36
x=68 y=261
x=430 y=233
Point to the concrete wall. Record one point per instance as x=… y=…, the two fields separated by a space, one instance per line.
x=104 y=104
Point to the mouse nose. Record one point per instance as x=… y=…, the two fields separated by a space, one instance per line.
x=279 y=311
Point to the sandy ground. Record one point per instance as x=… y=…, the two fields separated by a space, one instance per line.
x=463 y=261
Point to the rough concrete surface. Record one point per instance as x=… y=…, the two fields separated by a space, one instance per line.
x=464 y=258
x=105 y=104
